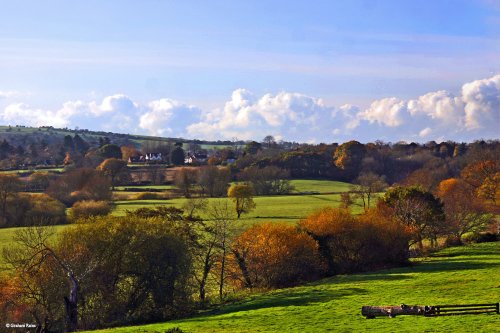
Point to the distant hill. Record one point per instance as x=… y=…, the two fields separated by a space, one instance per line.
x=19 y=135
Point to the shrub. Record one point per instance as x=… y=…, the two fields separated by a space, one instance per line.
x=46 y=209
x=83 y=209
x=80 y=184
x=274 y=255
x=148 y=196
x=483 y=237
x=352 y=244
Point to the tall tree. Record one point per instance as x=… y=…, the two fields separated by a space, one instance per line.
x=114 y=168
x=366 y=185
x=242 y=196
x=418 y=209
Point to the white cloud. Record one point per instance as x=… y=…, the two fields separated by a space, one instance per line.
x=113 y=103
x=388 y=111
x=23 y=114
x=440 y=105
x=167 y=117
x=248 y=117
x=482 y=103
x=471 y=113
x=425 y=132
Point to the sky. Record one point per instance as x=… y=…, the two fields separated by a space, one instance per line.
x=306 y=71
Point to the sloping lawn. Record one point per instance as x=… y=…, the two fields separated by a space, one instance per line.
x=460 y=275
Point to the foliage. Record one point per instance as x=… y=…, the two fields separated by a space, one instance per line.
x=88 y=208
x=148 y=196
x=80 y=184
x=352 y=244
x=253 y=147
x=242 y=196
x=185 y=179
x=348 y=157
x=418 y=209
x=9 y=187
x=484 y=176
x=461 y=274
x=269 y=180
x=368 y=184
x=273 y=255
x=465 y=212
x=110 y=151
x=114 y=168
x=214 y=181
x=177 y=156
x=124 y=270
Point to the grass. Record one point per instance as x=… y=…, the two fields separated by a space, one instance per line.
x=289 y=208
x=320 y=186
x=456 y=275
x=7 y=239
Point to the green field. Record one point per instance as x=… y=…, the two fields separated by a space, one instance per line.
x=7 y=238
x=319 y=186
x=289 y=208
x=460 y=275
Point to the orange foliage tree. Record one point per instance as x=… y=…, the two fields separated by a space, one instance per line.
x=464 y=211
x=273 y=255
x=350 y=244
x=484 y=176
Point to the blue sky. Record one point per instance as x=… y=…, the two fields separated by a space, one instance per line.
x=315 y=71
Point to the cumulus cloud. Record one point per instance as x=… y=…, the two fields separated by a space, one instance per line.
x=289 y=115
x=168 y=117
x=24 y=114
x=472 y=112
x=388 y=111
x=482 y=103
x=113 y=103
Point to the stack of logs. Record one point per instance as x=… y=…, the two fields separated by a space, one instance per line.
x=424 y=310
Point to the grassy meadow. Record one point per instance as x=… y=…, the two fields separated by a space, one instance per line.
x=460 y=275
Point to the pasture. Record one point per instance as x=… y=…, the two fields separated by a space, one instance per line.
x=468 y=274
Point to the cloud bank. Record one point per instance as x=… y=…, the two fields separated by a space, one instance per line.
x=471 y=113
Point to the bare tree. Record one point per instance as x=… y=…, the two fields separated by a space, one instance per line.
x=368 y=184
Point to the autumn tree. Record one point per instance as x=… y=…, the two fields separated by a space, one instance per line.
x=110 y=151
x=242 y=196
x=269 y=180
x=10 y=185
x=80 y=184
x=418 y=209
x=484 y=176
x=465 y=212
x=274 y=255
x=114 y=168
x=366 y=185
x=221 y=229
x=185 y=179
x=348 y=157
x=214 y=181
x=351 y=244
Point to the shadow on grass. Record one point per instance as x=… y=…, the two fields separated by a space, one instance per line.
x=143 y=203
x=293 y=297
x=322 y=198
x=469 y=251
x=449 y=266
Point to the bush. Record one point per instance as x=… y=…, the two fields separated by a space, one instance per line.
x=46 y=209
x=483 y=237
x=274 y=255
x=148 y=196
x=353 y=244
x=84 y=209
